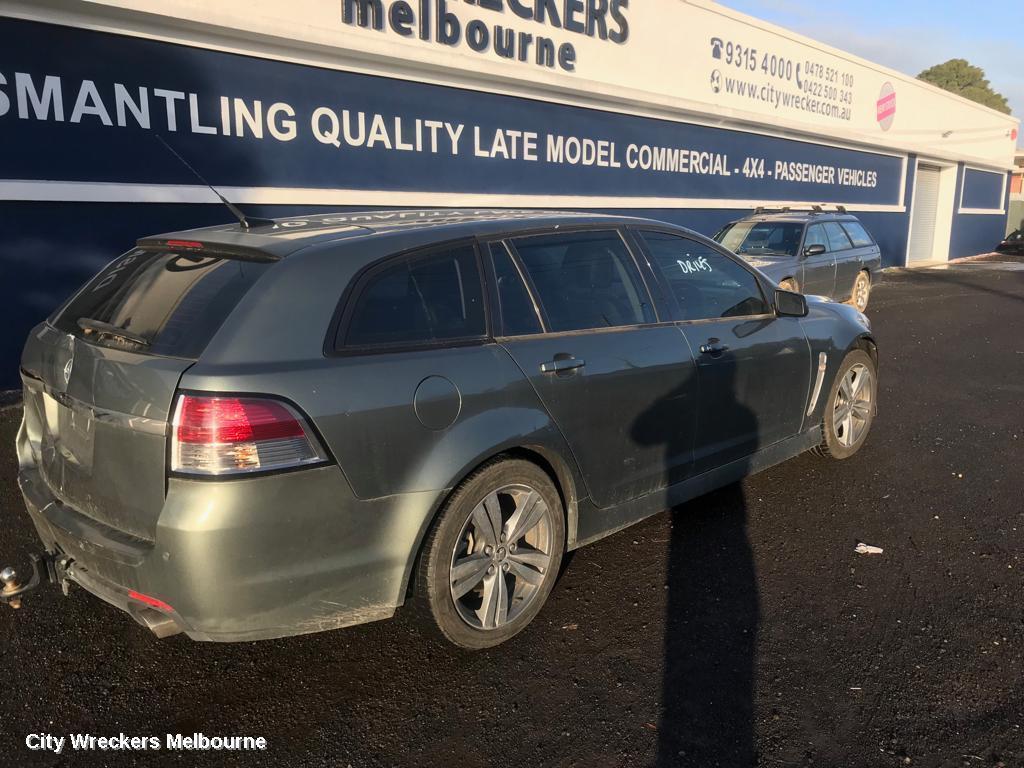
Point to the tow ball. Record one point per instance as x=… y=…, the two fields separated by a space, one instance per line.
x=43 y=566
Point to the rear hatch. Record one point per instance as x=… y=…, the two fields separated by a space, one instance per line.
x=100 y=376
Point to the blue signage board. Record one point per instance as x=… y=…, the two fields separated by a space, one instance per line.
x=91 y=114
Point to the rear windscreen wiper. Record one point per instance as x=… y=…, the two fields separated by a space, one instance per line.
x=100 y=328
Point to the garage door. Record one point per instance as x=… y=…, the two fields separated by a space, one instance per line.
x=926 y=208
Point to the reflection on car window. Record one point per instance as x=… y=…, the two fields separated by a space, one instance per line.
x=518 y=315
x=174 y=301
x=815 y=236
x=420 y=299
x=837 y=239
x=585 y=280
x=762 y=237
x=857 y=233
x=705 y=283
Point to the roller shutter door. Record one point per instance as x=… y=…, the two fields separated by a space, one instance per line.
x=926 y=207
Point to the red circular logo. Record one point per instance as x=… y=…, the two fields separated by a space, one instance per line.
x=885 y=107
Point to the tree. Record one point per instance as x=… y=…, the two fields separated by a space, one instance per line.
x=963 y=78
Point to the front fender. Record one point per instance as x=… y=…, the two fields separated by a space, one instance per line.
x=834 y=330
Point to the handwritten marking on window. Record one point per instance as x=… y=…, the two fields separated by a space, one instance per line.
x=690 y=266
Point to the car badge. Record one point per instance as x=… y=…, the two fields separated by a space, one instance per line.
x=71 y=360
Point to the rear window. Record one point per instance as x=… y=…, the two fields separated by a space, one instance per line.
x=422 y=299
x=857 y=233
x=165 y=303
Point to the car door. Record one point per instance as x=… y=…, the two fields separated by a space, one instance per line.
x=753 y=366
x=846 y=256
x=817 y=271
x=619 y=385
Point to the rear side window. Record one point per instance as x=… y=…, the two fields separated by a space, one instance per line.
x=706 y=284
x=420 y=299
x=858 y=235
x=518 y=314
x=170 y=303
x=837 y=239
x=585 y=280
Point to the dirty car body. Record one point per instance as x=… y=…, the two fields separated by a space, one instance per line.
x=816 y=252
x=223 y=438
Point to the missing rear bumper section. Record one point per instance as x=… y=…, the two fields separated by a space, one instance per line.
x=56 y=568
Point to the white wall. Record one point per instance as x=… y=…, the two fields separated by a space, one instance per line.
x=666 y=64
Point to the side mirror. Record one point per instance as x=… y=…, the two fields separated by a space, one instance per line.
x=814 y=250
x=789 y=304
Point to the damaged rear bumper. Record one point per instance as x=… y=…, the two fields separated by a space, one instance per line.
x=244 y=560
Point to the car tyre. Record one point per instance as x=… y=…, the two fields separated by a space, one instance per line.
x=790 y=284
x=861 y=291
x=851 y=407
x=493 y=555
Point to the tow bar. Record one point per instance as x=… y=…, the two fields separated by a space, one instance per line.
x=48 y=566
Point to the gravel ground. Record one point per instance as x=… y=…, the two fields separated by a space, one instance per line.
x=740 y=629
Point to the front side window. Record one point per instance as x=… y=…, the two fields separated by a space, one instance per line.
x=815 y=236
x=706 y=283
x=837 y=239
x=858 y=235
x=762 y=237
x=585 y=280
x=420 y=300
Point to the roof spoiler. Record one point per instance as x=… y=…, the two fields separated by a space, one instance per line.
x=789 y=209
x=219 y=250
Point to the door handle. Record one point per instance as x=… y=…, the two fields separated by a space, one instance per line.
x=562 y=363
x=713 y=347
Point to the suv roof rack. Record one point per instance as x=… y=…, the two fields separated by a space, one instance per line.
x=789 y=209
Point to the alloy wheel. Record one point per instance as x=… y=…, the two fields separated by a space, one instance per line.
x=854 y=401
x=861 y=289
x=502 y=557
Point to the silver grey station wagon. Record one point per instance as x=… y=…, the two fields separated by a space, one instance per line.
x=243 y=433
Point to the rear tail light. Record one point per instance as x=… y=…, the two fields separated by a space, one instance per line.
x=226 y=435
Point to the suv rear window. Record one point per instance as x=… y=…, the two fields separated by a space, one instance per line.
x=420 y=299
x=172 y=303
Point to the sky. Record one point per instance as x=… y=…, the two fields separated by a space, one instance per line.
x=912 y=35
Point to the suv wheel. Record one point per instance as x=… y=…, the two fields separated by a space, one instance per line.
x=851 y=407
x=861 y=291
x=494 y=553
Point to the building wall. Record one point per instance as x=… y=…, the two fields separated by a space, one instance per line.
x=89 y=175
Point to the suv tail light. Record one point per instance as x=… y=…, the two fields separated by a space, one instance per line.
x=224 y=435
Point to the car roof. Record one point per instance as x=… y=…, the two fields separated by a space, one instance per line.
x=802 y=217
x=283 y=236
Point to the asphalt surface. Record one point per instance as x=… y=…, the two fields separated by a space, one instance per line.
x=740 y=629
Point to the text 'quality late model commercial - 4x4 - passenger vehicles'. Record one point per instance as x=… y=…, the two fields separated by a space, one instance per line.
x=249 y=434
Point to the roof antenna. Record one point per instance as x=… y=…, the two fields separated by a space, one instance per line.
x=247 y=222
